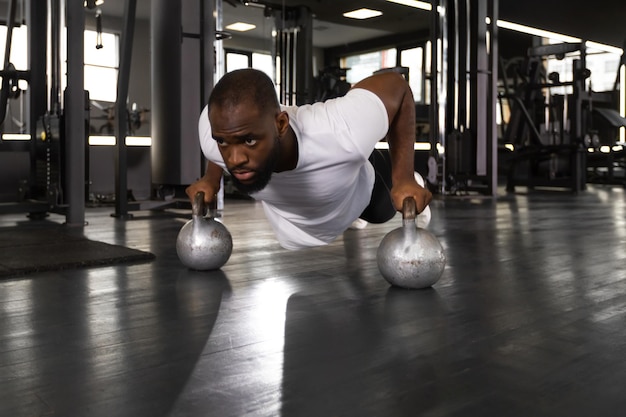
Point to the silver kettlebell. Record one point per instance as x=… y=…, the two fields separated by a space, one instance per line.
x=203 y=243
x=409 y=256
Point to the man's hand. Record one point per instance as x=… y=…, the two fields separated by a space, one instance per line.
x=421 y=195
x=210 y=191
x=209 y=183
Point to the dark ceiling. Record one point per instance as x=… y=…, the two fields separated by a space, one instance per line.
x=602 y=21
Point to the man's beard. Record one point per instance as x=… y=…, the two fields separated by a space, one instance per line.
x=263 y=176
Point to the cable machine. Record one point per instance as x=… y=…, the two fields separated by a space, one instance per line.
x=293 y=54
x=463 y=95
x=56 y=117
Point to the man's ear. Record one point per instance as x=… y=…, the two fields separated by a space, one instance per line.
x=282 y=123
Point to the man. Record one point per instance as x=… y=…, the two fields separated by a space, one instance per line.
x=313 y=167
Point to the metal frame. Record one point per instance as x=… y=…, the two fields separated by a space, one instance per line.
x=463 y=94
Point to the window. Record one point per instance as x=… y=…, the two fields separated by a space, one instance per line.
x=413 y=59
x=363 y=65
x=101 y=66
x=14 y=118
x=19 y=46
x=241 y=59
x=237 y=60
x=19 y=49
x=264 y=63
x=604 y=67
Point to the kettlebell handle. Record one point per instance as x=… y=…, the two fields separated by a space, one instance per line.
x=197 y=205
x=409 y=209
x=198 y=208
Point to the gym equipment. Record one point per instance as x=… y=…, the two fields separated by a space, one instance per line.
x=203 y=243
x=564 y=134
x=57 y=181
x=294 y=47
x=552 y=156
x=464 y=78
x=409 y=256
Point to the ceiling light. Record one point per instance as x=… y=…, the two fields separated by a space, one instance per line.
x=604 y=48
x=240 y=27
x=362 y=14
x=536 y=32
x=414 y=3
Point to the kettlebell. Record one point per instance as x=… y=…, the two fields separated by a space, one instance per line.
x=203 y=243
x=409 y=256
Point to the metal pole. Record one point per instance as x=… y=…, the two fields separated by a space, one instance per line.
x=166 y=58
x=220 y=56
x=208 y=51
x=37 y=97
x=220 y=70
x=208 y=58
x=304 y=57
x=75 y=115
x=492 y=126
x=439 y=77
x=121 y=114
x=54 y=106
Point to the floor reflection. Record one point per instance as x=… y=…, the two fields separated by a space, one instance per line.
x=115 y=348
x=361 y=357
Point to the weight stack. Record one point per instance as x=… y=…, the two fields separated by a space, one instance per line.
x=49 y=170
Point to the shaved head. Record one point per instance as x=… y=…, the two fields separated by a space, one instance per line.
x=248 y=86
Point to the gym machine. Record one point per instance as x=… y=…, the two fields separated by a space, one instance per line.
x=294 y=46
x=463 y=99
x=556 y=157
x=556 y=137
x=57 y=127
x=59 y=120
x=606 y=157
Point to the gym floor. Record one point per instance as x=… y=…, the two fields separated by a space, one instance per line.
x=528 y=319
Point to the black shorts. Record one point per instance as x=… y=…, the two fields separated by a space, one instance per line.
x=380 y=208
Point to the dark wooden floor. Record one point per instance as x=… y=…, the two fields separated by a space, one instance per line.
x=529 y=319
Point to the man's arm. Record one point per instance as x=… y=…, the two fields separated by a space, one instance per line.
x=397 y=97
x=209 y=183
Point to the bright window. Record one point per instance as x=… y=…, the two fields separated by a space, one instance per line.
x=604 y=67
x=101 y=66
x=236 y=60
x=363 y=65
x=19 y=46
x=264 y=63
x=413 y=59
x=239 y=59
x=13 y=119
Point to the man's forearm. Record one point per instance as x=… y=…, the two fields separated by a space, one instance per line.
x=397 y=97
x=401 y=138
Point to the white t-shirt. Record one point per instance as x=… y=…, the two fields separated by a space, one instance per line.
x=332 y=183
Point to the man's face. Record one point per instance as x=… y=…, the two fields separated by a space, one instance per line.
x=248 y=141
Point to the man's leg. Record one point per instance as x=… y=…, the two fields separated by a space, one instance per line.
x=380 y=208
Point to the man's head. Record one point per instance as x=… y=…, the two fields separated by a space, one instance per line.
x=247 y=124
